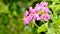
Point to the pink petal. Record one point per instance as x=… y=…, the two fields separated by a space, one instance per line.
x=30 y=17
x=44 y=9
x=26 y=13
x=43 y=4
x=46 y=17
x=26 y=21
x=37 y=8
x=36 y=17
x=37 y=4
x=31 y=10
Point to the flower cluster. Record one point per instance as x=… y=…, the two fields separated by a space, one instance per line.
x=39 y=12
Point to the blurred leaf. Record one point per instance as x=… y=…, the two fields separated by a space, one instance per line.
x=53 y=7
x=43 y=28
x=55 y=1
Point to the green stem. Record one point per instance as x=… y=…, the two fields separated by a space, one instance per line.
x=36 y=25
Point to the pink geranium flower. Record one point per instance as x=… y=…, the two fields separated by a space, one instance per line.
x=43 y=4
x=45 y=17
x=26 y=21
x=34 y=14
x=27 y=18
x=37 y=8
x=36 y=17
x=26 y=13
x=30 y=17
x=31 y=10
x=45 y=10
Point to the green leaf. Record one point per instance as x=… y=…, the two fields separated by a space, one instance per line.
x=53 y=7
x=55 y=1
x=43 y=28
x=51 y=31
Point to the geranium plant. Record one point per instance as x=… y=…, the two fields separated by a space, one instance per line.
x=46 y=14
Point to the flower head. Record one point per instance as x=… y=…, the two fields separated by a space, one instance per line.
x=35 y=13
